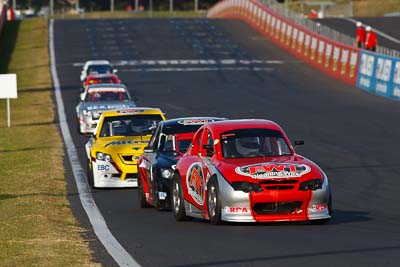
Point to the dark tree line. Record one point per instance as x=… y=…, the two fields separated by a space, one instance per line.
x=89 y=5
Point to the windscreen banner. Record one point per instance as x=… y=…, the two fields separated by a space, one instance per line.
x=379 y=74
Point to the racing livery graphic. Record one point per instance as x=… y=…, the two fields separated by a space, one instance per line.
x=195 y=183
x=268 y=170
x=247 y=171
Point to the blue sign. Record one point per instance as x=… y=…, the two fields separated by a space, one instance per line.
x=379 y=74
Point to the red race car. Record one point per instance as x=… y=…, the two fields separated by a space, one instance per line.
x=101 y=78
x=247 y=171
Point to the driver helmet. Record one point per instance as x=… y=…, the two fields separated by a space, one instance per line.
x=246 y=146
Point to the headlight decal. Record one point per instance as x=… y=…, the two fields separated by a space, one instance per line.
x=103 y=156
x=167 y=173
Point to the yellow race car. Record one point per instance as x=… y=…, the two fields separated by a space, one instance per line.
x=118 y=142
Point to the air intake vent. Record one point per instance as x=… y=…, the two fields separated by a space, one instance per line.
x=277 y=207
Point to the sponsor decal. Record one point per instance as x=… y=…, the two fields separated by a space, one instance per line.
x=288 y=34
x=300 y=41
x=396 y=76
x=101 y=90
x=283 y=32
x=381 y=88
x=307 y=44
x=367 y=64
x=353 y=63
x=195 y=121
x=125 y=142
x=365 y=82
x=294 y=38
x=321 y=48
x=130 y=110
x=314 y=43
x=343 y=60
x=319 y=207
x=268 y=23
x=328 y=54
x=195 y=183
x=94 y=107
x=336 y=55
x=264 y=19
x=396 y=92
x=236 y=210
x=383 y=68
x=270 y=170
x=272 y=26
x=278 y=28
x=103 y=167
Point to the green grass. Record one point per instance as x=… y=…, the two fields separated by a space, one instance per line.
x=36 y=223
x=125 y=14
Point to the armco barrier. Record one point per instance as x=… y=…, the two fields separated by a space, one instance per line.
x=336 y=59
x=379 y=74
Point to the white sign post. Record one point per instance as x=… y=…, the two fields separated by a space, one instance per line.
x=8 y=89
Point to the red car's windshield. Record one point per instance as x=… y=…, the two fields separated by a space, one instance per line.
x=251 y=143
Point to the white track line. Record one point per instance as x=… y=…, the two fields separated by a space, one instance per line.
x=120 y=255
x=397 y=41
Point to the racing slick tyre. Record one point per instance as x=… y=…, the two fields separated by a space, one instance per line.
x=213 y=202
x=141 y=195
x=178 y=205
x=323 y=221
x=90 y=175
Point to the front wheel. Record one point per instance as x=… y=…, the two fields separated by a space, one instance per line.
x=90 y=175
x=178 y=205
x=213 y=202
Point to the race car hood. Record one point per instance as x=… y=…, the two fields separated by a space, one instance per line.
x=98 y=106
x=121 y=145
x=165 y=161
x=263 y=168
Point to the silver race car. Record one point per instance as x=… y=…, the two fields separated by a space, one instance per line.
x=98 y=98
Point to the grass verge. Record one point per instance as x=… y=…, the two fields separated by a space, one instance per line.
x=36 y=223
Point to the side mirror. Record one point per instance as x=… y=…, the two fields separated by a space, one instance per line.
x=82 y=96
x=209 y=150
x=115 y=71
x=89 y=135
x=298 y=143
x=148 y=149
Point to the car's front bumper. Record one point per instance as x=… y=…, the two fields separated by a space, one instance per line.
x=273 y=205
x=106 y=174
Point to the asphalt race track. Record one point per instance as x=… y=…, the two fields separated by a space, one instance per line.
x=224 y=68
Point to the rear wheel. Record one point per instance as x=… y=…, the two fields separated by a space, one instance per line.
x=178 y=205
x=141 y=195
x=213 y=202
